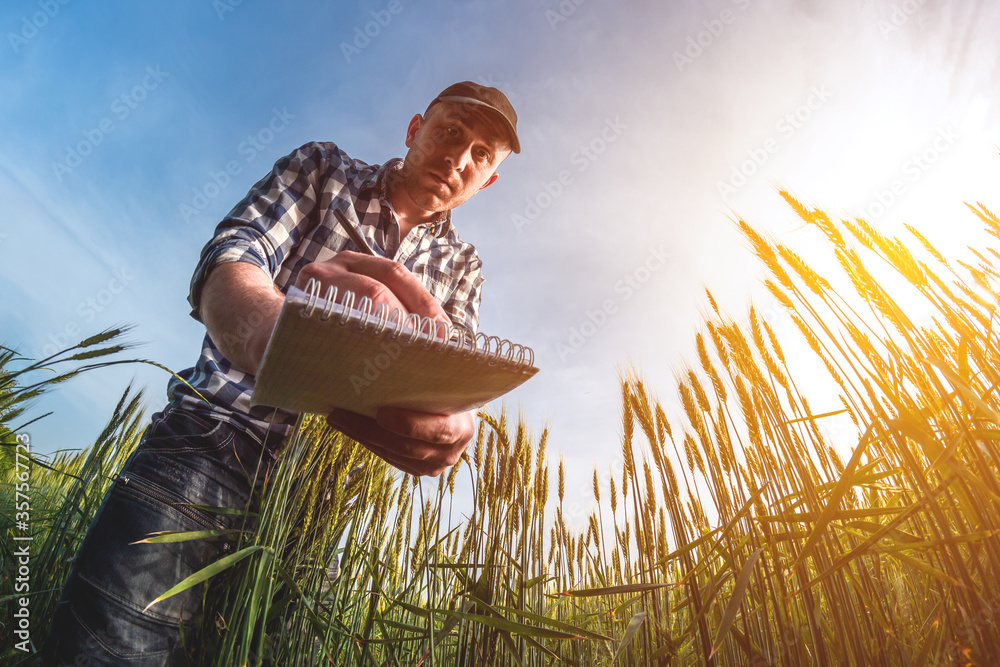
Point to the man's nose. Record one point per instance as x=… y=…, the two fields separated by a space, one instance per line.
x=459 y=155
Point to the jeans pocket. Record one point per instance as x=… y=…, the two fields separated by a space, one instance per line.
x=182 y=431
x=198 y=457
x=185 y=466
x=127 y=574
x=171 y=501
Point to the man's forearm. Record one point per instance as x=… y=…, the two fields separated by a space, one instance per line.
x=239 y=305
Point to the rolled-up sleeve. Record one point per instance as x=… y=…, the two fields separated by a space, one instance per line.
x=264 y=227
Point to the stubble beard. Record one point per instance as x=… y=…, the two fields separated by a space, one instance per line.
x=410 y=177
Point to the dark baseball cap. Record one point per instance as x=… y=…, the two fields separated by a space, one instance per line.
x=468 y=92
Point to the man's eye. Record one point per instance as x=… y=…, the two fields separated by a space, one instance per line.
x=452 y=131
x=483 y=154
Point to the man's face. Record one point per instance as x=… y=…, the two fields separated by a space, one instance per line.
x=453 y=154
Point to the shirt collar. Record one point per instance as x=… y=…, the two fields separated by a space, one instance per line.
x=377 y=184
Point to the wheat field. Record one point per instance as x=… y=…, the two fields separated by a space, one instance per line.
x=735 y=533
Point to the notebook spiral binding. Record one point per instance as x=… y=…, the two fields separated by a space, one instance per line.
x=413 y=328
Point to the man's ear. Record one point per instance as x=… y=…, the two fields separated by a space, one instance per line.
x=492 y=179
x=411 y=129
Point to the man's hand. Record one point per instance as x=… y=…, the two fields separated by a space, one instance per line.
x=240 y=303
x=417 y=443
x=381 y=280
x=238 y=294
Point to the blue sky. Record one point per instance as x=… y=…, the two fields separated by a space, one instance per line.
x=132 y=128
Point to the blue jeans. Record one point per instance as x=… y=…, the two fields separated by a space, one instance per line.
x=183 y=460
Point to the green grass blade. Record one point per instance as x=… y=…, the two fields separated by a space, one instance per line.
x=207 y=573
x=633 y=627
x=735 y=601
x=616 y=590
x=507 y=625
x=165 y=536
x=833 y=502
x=559 y=625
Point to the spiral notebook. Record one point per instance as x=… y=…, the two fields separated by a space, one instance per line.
x=326 y=353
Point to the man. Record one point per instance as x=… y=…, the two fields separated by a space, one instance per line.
x=209 y=447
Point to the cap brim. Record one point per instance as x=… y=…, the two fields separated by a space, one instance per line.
x=457 y=99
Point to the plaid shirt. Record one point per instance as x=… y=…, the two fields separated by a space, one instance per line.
x=285 y=222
